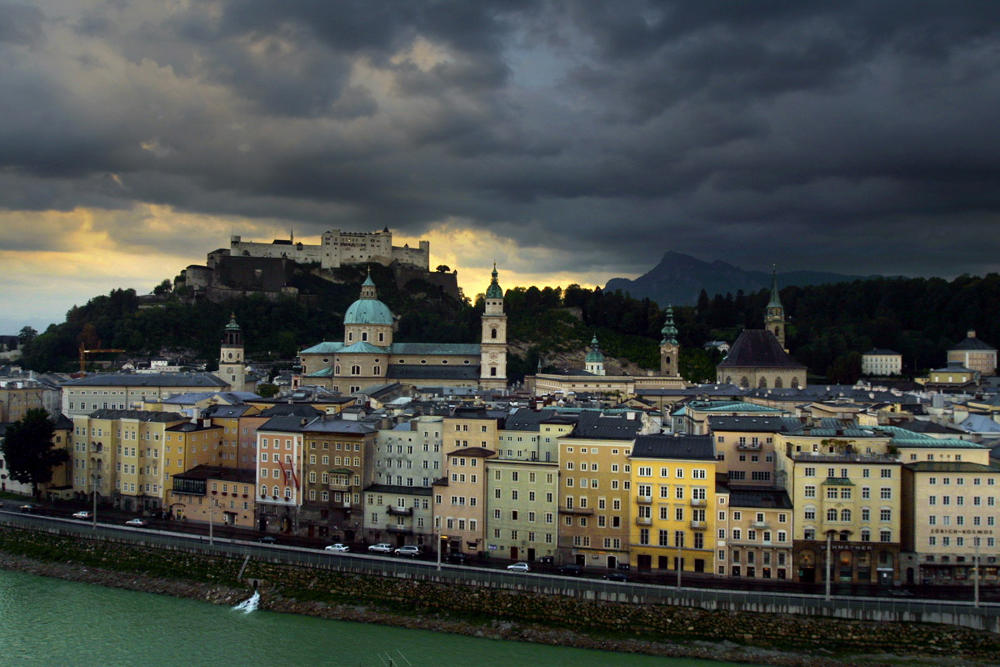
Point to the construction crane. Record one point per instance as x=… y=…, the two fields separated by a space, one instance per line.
x=84 y=352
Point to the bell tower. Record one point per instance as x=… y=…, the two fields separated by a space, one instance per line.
x=231 y=360
x=493 y=350
x=774 y=319
x=670 y=349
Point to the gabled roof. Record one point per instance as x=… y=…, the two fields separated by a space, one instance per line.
x=686 y=447
x=758 y=347
x=364 y=347
x=973 y=343
x=326 y=347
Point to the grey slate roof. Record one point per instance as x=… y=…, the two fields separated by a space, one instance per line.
x=759 y=498
x=753 y=424
x=973 y=344
x=881 y=351
x=148 y=380
x=141 y=415
x=605 y=427
x=298 y=410
x=949 y=466
x=758 y=347
x=526 y=419
x=684 y=447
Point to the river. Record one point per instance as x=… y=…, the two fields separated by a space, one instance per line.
x=47 y=621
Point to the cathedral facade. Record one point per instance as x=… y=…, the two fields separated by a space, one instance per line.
x=369 y=357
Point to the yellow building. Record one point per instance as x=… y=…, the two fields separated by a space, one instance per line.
x=975 y=354
x=673 y=503
x=951 y=514
x=845 y=494
x=594 y=487
x=214 y=493
x=754 y=535
x=124 y=453
x=744 y=447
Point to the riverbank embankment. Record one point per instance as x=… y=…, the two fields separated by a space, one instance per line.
x=500 y=614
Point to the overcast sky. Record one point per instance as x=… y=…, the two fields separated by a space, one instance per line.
x=569 y=141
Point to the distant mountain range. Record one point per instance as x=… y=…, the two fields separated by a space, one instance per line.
x=678 y=279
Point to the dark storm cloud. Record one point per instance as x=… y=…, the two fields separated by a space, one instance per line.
x=812 y=133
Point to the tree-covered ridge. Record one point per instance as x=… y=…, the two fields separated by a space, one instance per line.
x=829 y=326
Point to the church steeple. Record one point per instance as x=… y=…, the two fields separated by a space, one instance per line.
x=493 y=349
x=231 y=356
x=594 y=361
x=774 y=319
x=670 y=349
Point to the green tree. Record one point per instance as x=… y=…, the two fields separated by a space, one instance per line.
x=26 y=335
x=267 y=390
x=27 y=448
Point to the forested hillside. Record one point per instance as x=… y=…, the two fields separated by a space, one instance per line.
x=829 y=326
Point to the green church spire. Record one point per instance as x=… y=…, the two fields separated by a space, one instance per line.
x=775 y=301
x=669 y=331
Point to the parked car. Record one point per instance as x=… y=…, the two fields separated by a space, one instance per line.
x=458 y=558
x=136 y=522
x=381 y=548
x=571 y=570
x=616 y=576
x=268 y=539
x=338 y=548
x=83 y=514
x=27 y=508
x=519 y=567
x=409 y=550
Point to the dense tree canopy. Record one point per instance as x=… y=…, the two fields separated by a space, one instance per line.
x=829 y=326
x=28 y=451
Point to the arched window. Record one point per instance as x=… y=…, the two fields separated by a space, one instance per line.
x=666 y=360
x=350 y=335
x=866 y=535
x=845 y=515
x=276 y=490
x=795 y=383
x=493 y=332
x=831 y=515
x=336 y=369
x=364 y=335
x=377 y=370
x=355 y=370
x=381 y=336
x=778 y=384
x=763 y=383
x=745 y=382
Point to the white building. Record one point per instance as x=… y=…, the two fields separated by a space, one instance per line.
x=880 y=362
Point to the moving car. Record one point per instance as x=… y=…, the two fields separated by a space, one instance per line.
x=268 y=539
x=458 y=558
x=571 y=570
x=409 y=550
x=339 y=548
x=136 y=522
x=27 y=508
x=616 y=576
x=83 y=514
x=519 y=567
x=381 y=548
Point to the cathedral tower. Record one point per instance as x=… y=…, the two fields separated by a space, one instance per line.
x=774 y=320
x=493 y=351
x=231 y=360
x=670 y=349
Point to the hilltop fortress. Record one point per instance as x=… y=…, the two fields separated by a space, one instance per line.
x=336 y=249
x=252 y=267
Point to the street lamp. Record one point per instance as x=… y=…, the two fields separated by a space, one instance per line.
x=975 y=573
x=93 y=516
x=213 y=503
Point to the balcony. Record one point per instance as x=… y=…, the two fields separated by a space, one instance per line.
x=346 y=504
x=585 y=511
x=644 y=500
x=399 y=511
x=338 y=485
x=399 y=530
x=644 y=521
x=699 y=502
x=699 y=525
x=748 y=446
x=760 y=525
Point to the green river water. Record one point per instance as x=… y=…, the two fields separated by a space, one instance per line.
x=54 y=622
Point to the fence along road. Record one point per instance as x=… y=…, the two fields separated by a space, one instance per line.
x=984 y=617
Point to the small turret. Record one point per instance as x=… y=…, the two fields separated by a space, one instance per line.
x=774 y=319
x=670 y=348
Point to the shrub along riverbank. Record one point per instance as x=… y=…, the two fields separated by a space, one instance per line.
x=656 y=629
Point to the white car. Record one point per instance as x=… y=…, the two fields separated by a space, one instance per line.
x=381 y=548
x=136 y=522
x=82 y=514
x=339 y=548
x=519 y=567
x=410 y=550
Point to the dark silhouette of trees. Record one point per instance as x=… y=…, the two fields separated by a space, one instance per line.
x=27 y=448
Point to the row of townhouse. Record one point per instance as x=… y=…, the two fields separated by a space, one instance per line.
x=763 y=497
